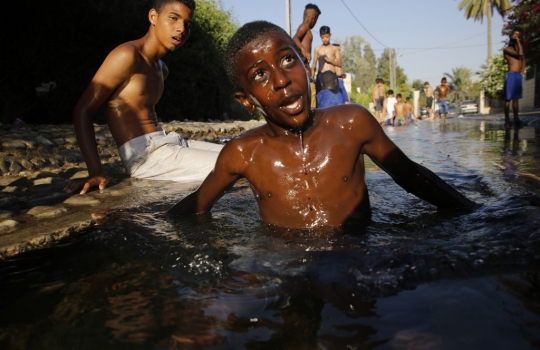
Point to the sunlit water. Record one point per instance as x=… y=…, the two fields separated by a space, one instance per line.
x=417 y=279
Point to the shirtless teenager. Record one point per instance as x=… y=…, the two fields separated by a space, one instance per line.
x=399 y=112
x=303 y=38
x=409 y=111
x=127 y=86
x=327 y=56
x=428 y=90
x=513 y=81
x=302 y=158
x=443 y=90
x=378 y=99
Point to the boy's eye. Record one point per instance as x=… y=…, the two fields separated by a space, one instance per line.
x=288 y=60
x=259 y=75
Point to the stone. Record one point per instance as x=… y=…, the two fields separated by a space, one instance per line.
x=6 y=214
x=8 y=226
x=8 y=201
x=17 y=144
x=46 y=199
x=47 y=212
x=82 y=199
x=44 y=141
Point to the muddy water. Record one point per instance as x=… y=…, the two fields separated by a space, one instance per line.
x=417 y=279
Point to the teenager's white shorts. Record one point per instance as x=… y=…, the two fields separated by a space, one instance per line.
x=161 y=156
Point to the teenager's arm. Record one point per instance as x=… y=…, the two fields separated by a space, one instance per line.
x=315 y=60
x=214 y=186
x=336 y=61
x=300 y=33
x=413 y=177
x=115 y=69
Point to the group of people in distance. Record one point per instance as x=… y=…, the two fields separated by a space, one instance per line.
x=391 y=110
x=325 y=73
x=295 y=163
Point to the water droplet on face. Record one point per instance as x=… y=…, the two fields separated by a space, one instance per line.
x=269 y=194
x=345 y=178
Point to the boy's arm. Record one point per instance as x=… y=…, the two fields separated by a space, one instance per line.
x=213 y=187
x=115 y=69
x=300 y=33
x=413 y=177
x=337 y=59
x=315 y=59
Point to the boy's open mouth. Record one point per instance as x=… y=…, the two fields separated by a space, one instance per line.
x=177 y=40
x=292 y=104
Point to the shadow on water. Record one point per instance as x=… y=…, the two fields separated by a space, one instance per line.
x=418 y=278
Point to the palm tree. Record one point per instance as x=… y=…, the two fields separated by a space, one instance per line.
x=459 y=82
x=477 y=9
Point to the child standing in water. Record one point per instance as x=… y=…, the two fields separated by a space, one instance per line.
x=305 y=167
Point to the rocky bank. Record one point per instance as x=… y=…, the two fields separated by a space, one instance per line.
x=37 y=160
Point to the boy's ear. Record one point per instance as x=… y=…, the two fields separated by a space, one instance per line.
x=245 y=101
x=152 y=16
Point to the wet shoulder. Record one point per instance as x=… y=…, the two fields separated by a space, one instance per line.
x=346 y=113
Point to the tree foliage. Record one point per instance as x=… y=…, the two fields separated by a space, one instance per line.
x=492 y=75
x=66 y=42
x=526 y=15
x=460 y=82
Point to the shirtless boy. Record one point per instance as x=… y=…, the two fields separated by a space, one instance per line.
x=127 y=86
x=513 y=81
x=378 y=99
x=409 y=110
x=399 y=112
x=327 y=56
x=302 y=158
x=303 y=38
x=443 y=90
x=428 y=90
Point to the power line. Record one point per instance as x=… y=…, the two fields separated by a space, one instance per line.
x=357 y=20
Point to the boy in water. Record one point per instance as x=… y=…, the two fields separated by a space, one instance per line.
x=330 y=94
x=443 y=90
x=409 y=111
x=127 y=86
x=327 y=56
x=303 y=38
x=389 y=104
x=399 y=112
x=428 y=90
x=305 y=167
x=513 y=81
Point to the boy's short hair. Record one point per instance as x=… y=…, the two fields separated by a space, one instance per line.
x=243 y=36
x=426 y=83
x=443 y=79
x=516 y=29
x=324 y=30
x=398 y=96
x=408 y=99
x=390 y=92
x=328 y=78
x=159 y=4
x=313 y=7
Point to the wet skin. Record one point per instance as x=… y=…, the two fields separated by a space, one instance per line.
x=127 y=87
x=305 y=169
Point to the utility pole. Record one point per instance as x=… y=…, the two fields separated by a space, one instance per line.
x=392 y=68
x=288 y=8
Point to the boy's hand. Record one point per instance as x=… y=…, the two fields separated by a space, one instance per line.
x=86 y=184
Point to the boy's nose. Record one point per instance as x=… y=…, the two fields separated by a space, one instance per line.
x=281 y=80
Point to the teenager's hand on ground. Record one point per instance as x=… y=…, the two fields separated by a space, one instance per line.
x=86 y=183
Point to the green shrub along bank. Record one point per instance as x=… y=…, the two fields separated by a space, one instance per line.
x=65 y=41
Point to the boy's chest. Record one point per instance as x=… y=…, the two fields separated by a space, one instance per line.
x=288 y=169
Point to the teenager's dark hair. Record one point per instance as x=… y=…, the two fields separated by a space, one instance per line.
x=328 y=79
x=324 y=30
x=313 y=7
x=245 y=35
x=159 y=4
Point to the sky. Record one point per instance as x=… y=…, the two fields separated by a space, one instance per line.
x=431 y=37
